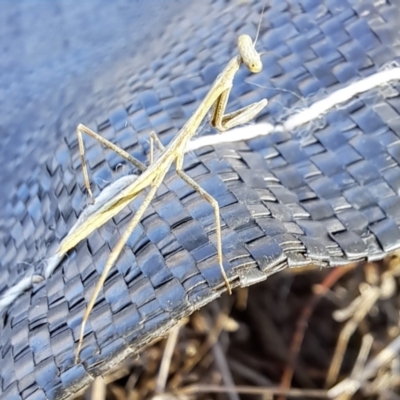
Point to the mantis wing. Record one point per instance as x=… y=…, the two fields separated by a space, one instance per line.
x=109 y=203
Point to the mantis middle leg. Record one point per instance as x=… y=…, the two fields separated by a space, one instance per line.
x=84 y=129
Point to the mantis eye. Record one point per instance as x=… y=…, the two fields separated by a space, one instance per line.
x=256 y=67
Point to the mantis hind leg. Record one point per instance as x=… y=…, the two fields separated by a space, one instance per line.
x=112 y=258
x=84 y=129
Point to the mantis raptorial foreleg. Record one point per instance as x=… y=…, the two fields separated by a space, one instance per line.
x=84 y=129
x=251 y=58
x=224 y=122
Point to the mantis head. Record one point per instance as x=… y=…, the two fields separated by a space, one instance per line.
x=250 y=57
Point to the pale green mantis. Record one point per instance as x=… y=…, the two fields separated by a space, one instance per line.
x=153 y=175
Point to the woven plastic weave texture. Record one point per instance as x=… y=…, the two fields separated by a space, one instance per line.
x=328 y=197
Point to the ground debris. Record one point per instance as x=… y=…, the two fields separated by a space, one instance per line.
x=331 y=333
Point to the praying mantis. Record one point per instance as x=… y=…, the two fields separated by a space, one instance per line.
x=153 y=175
